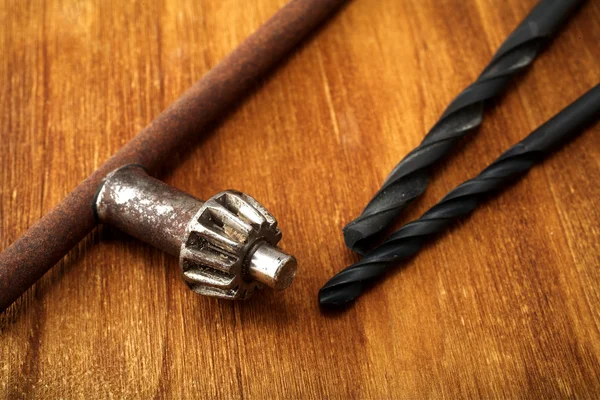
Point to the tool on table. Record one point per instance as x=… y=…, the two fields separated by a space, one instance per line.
x=53 y=236
x=409 y=179
x=348 y=284
x=226 y=245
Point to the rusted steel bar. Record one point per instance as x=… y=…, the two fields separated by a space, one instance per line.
x=51 y=238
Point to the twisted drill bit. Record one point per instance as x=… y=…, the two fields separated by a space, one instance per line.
x=347 y=285
x=409 y=179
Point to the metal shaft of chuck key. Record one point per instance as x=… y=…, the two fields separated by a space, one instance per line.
x=410 y=177
x=349 y=284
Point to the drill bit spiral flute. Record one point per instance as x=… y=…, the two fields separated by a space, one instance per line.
x=347 y=285
x=409 y=179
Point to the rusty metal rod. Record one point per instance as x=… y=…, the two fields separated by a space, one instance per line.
x=53 y=236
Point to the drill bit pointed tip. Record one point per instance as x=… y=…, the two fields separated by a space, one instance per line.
x=360 y=234
x=335 y=299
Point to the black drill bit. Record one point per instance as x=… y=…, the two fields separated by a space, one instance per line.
x=347 y=285
x=409 y=179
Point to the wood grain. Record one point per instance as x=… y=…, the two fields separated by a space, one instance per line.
x=504 y=305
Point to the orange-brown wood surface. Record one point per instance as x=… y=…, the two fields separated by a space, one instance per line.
x=503 y=305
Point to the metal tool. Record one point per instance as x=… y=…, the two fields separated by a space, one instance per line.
x=348 y=284
x=53 y=236
x=226 y=245
x=409 y=179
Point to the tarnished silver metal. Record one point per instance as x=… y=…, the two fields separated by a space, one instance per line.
x=227 y=246
x=146 y=208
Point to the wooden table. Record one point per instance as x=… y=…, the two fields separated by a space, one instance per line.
x=504 y=305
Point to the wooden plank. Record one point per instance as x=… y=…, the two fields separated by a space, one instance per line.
x=504 y=305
